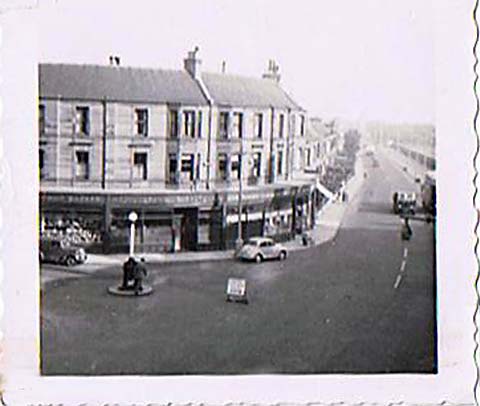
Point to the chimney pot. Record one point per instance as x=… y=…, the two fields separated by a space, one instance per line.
x=272 y=71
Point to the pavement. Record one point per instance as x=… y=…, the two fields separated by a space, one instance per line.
x=411 y=168
x=363 y=302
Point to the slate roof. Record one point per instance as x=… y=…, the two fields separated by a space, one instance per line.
x=241 y=91
x=117 y=83
x=127 y=84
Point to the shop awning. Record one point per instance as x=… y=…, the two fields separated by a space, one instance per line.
x=322 y=189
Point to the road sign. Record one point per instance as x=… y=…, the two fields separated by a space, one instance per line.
x=237 y=290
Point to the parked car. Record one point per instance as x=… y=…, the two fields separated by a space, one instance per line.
x=259 y=249
x=61 y=252
x=404 y=203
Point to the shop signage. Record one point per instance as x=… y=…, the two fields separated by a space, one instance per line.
x=129 y=200
x=165 y=200
x=189 y=199
x=251 y=196
x=237 y=290
x=72 y=198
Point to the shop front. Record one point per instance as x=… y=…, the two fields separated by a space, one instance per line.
x=172 y=222
x=99 y=221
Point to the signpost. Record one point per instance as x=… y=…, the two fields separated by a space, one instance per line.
x=237 y=290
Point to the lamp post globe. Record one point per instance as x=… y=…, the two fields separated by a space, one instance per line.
x=133 y=216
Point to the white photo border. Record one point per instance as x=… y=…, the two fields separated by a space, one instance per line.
x=456 y=382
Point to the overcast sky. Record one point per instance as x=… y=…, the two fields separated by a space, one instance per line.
x=355 y=59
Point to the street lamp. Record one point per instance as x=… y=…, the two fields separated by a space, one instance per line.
x=239 y=242
x=132 y=217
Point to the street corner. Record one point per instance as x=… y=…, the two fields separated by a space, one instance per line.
x=93 y=264
x=100 y=261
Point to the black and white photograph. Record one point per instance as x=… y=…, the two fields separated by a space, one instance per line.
x=245 y=190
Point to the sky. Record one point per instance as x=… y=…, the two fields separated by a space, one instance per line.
x=362 y=60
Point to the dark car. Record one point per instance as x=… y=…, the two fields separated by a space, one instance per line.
x=61 y=252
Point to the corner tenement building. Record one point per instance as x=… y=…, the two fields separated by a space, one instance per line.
x=174 y=145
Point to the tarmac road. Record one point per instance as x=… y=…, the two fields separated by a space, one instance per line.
x=362 y=303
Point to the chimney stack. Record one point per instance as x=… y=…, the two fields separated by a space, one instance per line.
x=272 y=71
x=114 y=60
x=192 y=64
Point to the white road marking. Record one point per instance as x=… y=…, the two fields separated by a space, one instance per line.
x=397 y=282
x=402 y=268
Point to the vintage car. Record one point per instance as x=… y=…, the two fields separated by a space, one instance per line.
x=259 y=249
x=404 y=202
x=61 y=252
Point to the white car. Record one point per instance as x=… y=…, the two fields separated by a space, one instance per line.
x=259 y=249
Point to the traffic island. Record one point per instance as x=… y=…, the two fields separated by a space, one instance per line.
x=121 y=291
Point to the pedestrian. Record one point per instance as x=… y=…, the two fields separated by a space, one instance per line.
x=406 y=230
x=128 y=271
x=140 y=273
x=305 y=239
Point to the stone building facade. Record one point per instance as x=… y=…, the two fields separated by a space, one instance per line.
x=175 y=146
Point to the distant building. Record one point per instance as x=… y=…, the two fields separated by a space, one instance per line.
x=417 y=141
x=173 y=146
